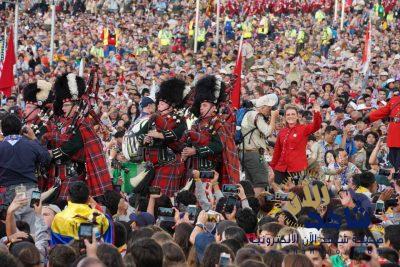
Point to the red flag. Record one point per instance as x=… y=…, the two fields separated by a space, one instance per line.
x=235 y=96
x=7 y=73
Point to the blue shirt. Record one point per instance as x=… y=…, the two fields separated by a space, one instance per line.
x=350 y=145
x=19 y=158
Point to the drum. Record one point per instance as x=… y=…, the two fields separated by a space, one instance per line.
x=130 y=144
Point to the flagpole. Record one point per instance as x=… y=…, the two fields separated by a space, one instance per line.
x=240 y=48
x=218 y=18
x=196 y=29
x=342 y=15
x=336 y=11
x=53 y=19
x=16 y=20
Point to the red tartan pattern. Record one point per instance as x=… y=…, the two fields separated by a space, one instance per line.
x=169 y=176
x=230 y=170
x=54 y=138
x=97 y=174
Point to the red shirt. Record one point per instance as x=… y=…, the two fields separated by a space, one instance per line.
x=391 y=110
x=290 y=147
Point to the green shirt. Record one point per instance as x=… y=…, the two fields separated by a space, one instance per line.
x=337 y=261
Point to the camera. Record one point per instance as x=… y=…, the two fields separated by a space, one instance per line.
x=192 y=210
x=154 y=190
x=35 y=199
x=230 y=189
x=230 y=204
x=281 y=196
x=212 y=216
x=206 y=174
x=166 y=212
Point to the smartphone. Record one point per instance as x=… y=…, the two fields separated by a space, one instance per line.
x=379 y=207
x=282 y=196
x=269 y=197
x=166 y=212
x=20 y=192
x=35 y=199
x=230 y=204
x=224 y=259
x=230 y=189
x=85 y=231
x=206 y=174
x=360 y=253
x=192 y=210
x=154 y=190
x=384 y=139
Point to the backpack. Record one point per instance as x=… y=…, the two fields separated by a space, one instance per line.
x=239 y=137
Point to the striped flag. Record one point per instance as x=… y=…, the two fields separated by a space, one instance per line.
x=366 y=58
x=3 y=42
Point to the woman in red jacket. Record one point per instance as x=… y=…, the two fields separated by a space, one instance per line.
x=290 y=147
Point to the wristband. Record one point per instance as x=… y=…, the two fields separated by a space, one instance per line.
x=200 y=225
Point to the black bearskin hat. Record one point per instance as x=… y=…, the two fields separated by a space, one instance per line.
x=172 y=91
x=38 y=93
x=210 y=89
x=69 y=87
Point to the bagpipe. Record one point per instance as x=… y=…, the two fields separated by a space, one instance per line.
x=87 y=103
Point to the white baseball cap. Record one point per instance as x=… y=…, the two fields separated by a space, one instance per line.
x=269 y=100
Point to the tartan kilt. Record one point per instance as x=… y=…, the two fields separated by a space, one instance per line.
x=169 y=177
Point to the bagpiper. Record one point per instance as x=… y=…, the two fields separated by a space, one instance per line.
x=38 y=98
x=210 y=142
x=160 y=137
x=76 y=148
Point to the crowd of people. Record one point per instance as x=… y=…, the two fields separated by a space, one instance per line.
x=124 y=149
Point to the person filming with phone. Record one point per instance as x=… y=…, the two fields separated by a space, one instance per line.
x=20 y=155
x=256 y=129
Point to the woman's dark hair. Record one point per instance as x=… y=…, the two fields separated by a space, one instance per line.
x=376 y=135
x=326 y=153
x=11 y=125
x=237 y=233
x=274 y=258
x=146 y=252
x=173 y=254
x=247 y=254
x=121 y=234
x=232 y=244
x=297 y=260
x=62 y=256
x=8 y=260
x=129 y=261
x=213 y=252
x=132 y=116
x=142 y=233
x=109 y=255
x=182 y=236
x=26 y=253
x=247 y=220
x=111 y=201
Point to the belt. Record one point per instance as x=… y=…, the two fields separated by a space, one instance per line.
x=395 y=120
x=251 y=150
